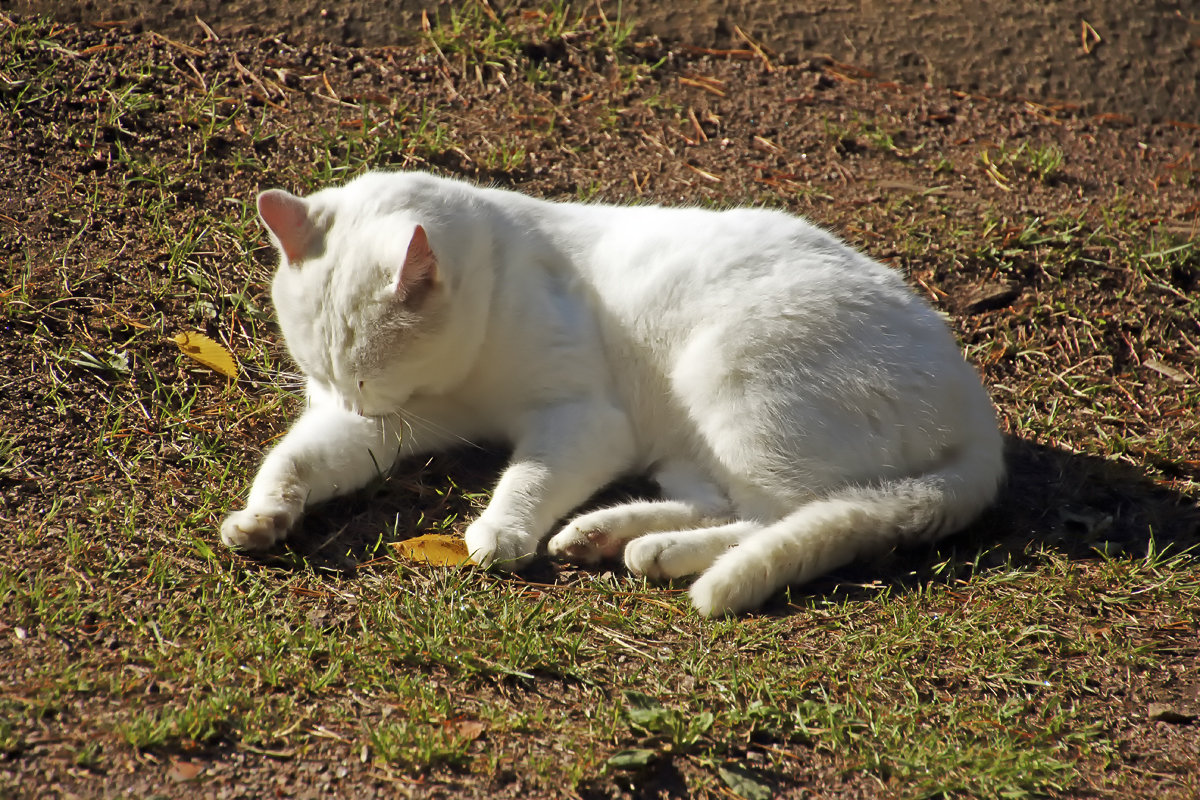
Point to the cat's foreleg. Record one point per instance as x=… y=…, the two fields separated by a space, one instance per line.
x=327 y=452
x=568 y=451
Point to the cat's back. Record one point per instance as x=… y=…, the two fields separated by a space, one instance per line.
x=676 y=264
x=658 y=267
x=380 y=193
x=685 y=250
x=749 y=288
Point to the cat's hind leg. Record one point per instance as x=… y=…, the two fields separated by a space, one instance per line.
x=674 y=554
x=690 y=501
x=603 y=533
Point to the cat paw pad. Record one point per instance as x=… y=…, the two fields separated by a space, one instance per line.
x=255 y=530
x=583 y=546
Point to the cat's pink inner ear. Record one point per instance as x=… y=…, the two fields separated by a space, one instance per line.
x=287 y=218
x=419 y=273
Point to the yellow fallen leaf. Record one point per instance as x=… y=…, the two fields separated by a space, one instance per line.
x=437 y=549
x=469 y=729
x=209 y=353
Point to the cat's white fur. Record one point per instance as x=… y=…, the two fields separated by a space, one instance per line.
x=797 y=403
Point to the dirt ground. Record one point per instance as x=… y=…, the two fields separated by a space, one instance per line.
x=1140 y=59
x=1059 y=234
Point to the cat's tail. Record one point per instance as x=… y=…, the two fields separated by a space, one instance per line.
x=828 y=533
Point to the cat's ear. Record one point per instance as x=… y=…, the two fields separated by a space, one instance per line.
x=419 y=273
x=286 y=217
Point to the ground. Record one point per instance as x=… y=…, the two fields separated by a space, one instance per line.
x=1138 y=59
x=1048 y=650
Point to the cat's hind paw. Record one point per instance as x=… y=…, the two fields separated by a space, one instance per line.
x=581 y=545
x=256 y=530
x=720 y=592
x=663 y=556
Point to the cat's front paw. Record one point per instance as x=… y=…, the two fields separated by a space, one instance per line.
x=498 y=546
x=256 y=529
x=584 y=545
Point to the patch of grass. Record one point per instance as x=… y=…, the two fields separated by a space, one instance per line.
x=478 y=38
x=883 y=140
x=11 y=740
x=504 y=156
x=1041 y=162
x=950 y=690
x=10 y=454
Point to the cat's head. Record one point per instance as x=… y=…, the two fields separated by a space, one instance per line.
x=360 y=296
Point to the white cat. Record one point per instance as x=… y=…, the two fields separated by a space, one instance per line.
x=796 y=402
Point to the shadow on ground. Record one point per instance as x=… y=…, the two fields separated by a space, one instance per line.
x=1076 y=505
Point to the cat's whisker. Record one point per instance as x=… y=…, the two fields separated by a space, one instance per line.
x=403 y=432
x=288 y=381
x=272 y=372
x=292 y=388
x=407 y=419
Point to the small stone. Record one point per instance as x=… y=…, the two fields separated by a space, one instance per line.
x=183 y=771
x=990 y=297
x=1161 y=712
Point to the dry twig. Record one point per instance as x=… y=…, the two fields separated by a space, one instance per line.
x=713 y=85
x=1088 y=37
x=209 y=35
x=756 y=47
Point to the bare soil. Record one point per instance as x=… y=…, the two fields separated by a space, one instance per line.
x=1136 y=59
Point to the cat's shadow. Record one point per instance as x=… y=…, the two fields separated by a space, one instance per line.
x=1054 y=503
x=1075 y=505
